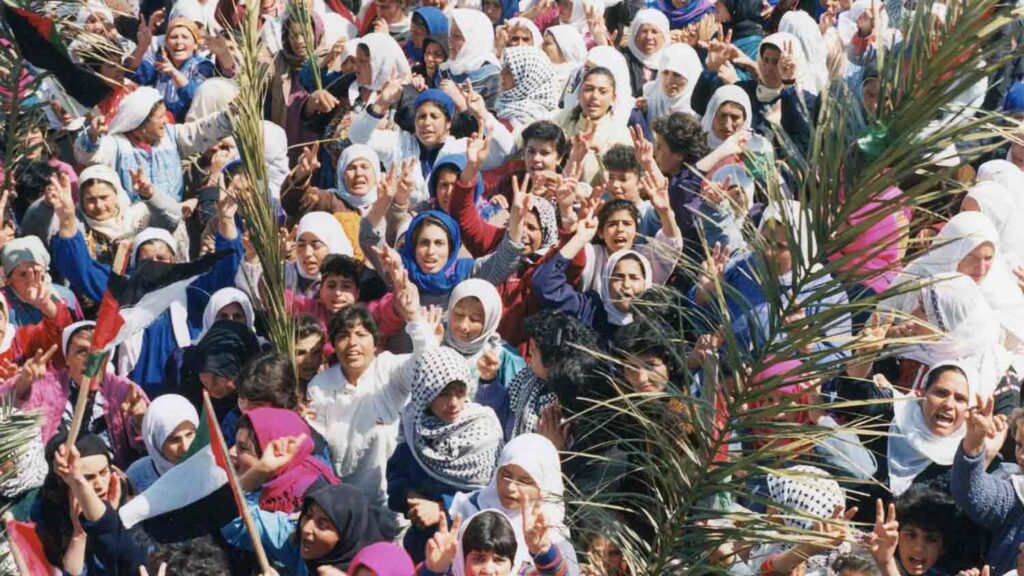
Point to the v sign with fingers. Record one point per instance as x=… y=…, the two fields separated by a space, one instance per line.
x=883 y=540
x=442 y=546
x=787 y=63
x=32 y=370
x=536 y=531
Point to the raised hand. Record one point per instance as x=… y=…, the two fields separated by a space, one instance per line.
x=58 y=195
x=713 y=269
x=65 y=464
x=280 y=452
x=656 y=187
x=474 y=101
x=143 y=187
x=308 y=163
x=587 y=225
x=406 y=182
x=552 y=427
x=719 y=50
x=33 y=369
x=982 y=424
x=135 y=405
x=787 y=63
x=536 y=531
x=642 y=149
x=886 y=534
x=418 y=82
x=97 y=127
x=434 y=316
x=827 y=19
x=487 y=365
x=391 y=91
x=478 y=147
x=727 y=74
x=442 y=546
x=453 y=92
x=424 y=513
x=833 y=533
x=522 y=203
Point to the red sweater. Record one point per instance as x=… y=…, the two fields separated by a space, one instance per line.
x=30 y=338
x=481 y=238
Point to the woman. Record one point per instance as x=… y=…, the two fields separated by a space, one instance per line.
x=728 y=113
x=26 y=265
x=682 y=13
x=115 y=407
x=610 y=59
x=179 y=69
x=567 y=52
x=528 y=469
x=450 y=444
x=471 y=46
x=648 y=37
x=287 y=93
x=672 y=88
x=168 y=429
x=317 y=235
x=528 y=90
x=741 y=21
x=109 y=218
x=995 y=201
x=802 y=26
x=427 y=22
x=283 y=490
x=788 y=250
x=474 y=313
x=595 y=114
x=228 y=304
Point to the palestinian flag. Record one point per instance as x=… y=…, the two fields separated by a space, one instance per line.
x=27 y=548
x=40 y=43
x=131 y=303
x=193 y=498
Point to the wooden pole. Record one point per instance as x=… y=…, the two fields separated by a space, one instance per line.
x=236 y=489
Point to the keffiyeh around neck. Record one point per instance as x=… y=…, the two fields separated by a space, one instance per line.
x=654 y=18
x=534 y=96
x=528 y=395
x=807 y=491
x=353 y=152
x=461 y=453
x=478 y=48
x=683 y=60
x=489 y=298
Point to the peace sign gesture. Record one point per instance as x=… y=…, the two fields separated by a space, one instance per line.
x=143 y=187
x=719 y=50
x=535 y=528
x=33 y=369
x=406 y=182
x=713 y=268
x=308 y=163
x=442 y=546
x=135 y=405
x=390 y=92
x=474 y=101
x=886 y=535
x=787 y=62
x=982 y=425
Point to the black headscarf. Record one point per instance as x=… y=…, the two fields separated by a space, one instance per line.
x=221 y=351
x=350 y=513
x=746 y=18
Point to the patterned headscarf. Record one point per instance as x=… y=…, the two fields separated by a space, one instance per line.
x=463 y=453
x=528 y=395
x=805 y=491
x=535 y=96
x=548 y=223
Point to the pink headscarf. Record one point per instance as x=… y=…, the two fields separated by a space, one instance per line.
x=876 y=254
x=283 y=493
x=385 y=559
x=785 y=367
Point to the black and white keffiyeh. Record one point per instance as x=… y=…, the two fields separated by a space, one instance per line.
x=528 y=395
x=806 y=490
x=463 y=453
x=535 y=96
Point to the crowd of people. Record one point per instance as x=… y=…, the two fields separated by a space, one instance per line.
x=474 y=196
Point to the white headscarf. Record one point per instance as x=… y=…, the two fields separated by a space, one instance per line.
x=655 y=18
x=478 y=49
x=793 y=217
x=804 y=78
x=970 y=332
x=226 y=297
x=148 y=235
x=683 y=60
x=802 y=26
x=520 y=22
x=386 y=58
x=574 y=50
x=71 y=330
x=121 y=225
x=1011 y=177
x=488 y=296
x=616 y=316
x=328 y=230
x=93 y=7
x=211 y=97
x=996 y=202
x=913 y=447
x=134 y=109
x=578 y=18
x=614 y=61
x=165 y=413
x=727 y=93
x=539 y=458
x=275 y=152
x=352 y=153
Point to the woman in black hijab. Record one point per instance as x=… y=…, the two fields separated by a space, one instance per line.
x=349 y=527
x=212 y=364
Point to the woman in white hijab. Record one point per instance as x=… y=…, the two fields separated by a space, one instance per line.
x=677 y=77
x=728 y=113
x=168 y=429
x=613 y=60
x=471 y=53
x=529 y=465
x=357 y=177
x=474 y=312
x=574 y=13
x=648 y=37
x=995 y=201
x=228 y=304
x=317 y=235
x=928 y=432
x=567 y=51
x=803 y=27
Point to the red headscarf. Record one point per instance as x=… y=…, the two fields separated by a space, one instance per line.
x=283 y=493
x=793 y=386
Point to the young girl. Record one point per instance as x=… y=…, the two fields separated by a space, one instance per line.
x=449 y=445
x=487 y=545
x=529 y=471
x=168 y=429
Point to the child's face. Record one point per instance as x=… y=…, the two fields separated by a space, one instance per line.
x=648 y=374
x=338 y=293
x=449 y=403
x=309 y=355
x=618 y=231
x=516 y=485
x=627 y=281
x=624 y=185
x=919 y=549
x=487 y=564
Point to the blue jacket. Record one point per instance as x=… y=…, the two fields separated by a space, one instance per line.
x=405 y=475
x=110 y=548
x=555 y=292
x=89 y=277
x=989 y=502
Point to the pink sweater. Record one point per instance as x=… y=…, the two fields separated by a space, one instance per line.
x=50 y=395
x=388 y=321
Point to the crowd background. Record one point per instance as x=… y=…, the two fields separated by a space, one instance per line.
x=536 y=287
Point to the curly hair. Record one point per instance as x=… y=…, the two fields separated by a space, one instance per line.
x=621 y=158
x=558 y=337
x=643 y=337
x=684 y=135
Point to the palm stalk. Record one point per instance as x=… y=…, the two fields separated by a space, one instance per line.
x=259 y=211
x=17 y=431
x=670 y=478
x=298 y=11
x=19 y=115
